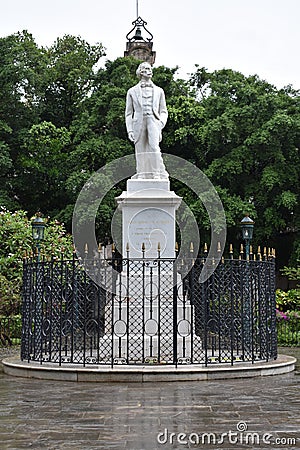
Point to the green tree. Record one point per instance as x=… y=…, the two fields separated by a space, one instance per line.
x=22 y=78
x=249 y=135
x=16 y=240
x=70 y=78
x=43 y=161
x=41 y=93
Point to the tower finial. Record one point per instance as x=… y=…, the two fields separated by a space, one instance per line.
x=137 y=45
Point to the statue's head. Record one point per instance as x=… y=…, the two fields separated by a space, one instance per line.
x=145 y=70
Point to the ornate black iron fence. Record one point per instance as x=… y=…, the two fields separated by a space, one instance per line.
x=147 y=312
x=288 y=332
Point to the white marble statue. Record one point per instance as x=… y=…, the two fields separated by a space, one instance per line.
x=146 y=115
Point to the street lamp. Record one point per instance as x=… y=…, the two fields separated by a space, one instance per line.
x=247 y=226
x=38 y=232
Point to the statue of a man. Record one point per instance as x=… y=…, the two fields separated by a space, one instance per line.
x=146 y=115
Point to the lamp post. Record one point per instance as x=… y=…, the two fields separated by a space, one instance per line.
x=38 y=232
x=247 y=226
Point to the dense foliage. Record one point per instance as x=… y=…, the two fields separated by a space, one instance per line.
x=16 y=242
x=288 y=310
x=62 y=118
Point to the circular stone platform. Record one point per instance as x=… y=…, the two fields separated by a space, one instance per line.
x=123 y=373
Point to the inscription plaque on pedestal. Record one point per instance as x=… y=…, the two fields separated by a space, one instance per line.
x=148 y=217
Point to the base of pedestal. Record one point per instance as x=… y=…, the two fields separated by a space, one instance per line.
x=153 y=349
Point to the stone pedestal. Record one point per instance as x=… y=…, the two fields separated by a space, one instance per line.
x=148 y=217
x=143 y=320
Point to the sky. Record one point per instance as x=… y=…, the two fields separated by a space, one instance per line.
x=251 y=36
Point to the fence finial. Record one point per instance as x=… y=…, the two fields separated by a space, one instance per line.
x=259 y=253
x=86 y=249
x=176 y=247
x=205 y=248
x=127 y=247
x=158 y=246
x=219 y=247
x=143 y=247
x=192 y=248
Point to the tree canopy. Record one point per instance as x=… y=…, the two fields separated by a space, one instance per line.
x=62 y=118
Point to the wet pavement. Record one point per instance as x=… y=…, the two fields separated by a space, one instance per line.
x=258 y=413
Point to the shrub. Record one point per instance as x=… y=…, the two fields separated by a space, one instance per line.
x=10 y=330
x=15 y=240
x=288 y=328
x=293 y=273
x=288 y=301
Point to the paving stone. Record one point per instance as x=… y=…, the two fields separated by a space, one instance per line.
x=41 y=414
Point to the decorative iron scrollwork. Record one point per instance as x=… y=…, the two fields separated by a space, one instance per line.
x=139 y=23
x=65 y=359
x=184 y=361
x=119 y=361
x=151 y=360
x=90 y=360
x=151 y=263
